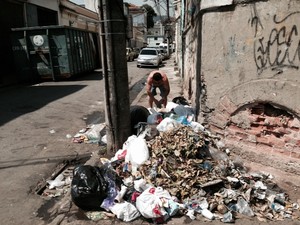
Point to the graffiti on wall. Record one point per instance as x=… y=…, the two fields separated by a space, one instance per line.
x=280 y=46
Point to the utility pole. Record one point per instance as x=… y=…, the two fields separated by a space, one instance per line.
x=112 y=31
x=168 y=31
x=168 y=12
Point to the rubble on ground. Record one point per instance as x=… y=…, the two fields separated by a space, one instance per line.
x=186 y=169
x=89 y=134
x=177 y=157
x=190 y=167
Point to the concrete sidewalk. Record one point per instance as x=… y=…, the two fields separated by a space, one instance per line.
x=175 y=82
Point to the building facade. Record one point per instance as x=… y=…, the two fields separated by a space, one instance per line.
x=139 y=26
x=154 y=41
x=36 y=13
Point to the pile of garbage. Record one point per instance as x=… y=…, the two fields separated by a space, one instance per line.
x=192 y=167
x=177 y=157
x=183 y=170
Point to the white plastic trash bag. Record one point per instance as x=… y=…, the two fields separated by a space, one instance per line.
x=141 y=185
x=137 y=151
x=126 y=143
x=171 y=105
x=197 y=127
x=57 y=182
x=125 y=211
x=155 y=203
x=167 y=124
x=120 y=154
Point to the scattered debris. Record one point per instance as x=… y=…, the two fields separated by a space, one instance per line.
x=183 y=169
x=57 y=182
x=99 y=215
x=90 y=134
x=194 y=167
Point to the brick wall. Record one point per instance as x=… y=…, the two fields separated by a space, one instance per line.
x=271 y=129
x=265 y=130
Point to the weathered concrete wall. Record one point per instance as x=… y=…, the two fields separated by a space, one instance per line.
x=190 y=60
x=249 y=58
x=251 y=54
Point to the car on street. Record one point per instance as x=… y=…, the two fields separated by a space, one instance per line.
x=149 y=57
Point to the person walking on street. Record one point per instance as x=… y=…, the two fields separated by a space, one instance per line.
x=158 y=79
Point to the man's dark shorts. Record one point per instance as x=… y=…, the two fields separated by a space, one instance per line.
x=163 y=91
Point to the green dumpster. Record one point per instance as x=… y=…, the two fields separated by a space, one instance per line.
x=53 y=52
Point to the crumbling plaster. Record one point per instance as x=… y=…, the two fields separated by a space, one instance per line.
x=245 y=52
x=241 y=55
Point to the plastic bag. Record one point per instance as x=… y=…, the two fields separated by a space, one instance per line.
x=140 y=185
x=93 y=134
x=125 y=211
x=120 y=154
x=112 y=192
x=180 y=100
x=137 y=152
x=181 y=110
x=170 y=106
x=183 y=120
x=149 y=203
x=154 y=118
x=167 y=124
x=137 y=114
x=155 y=203
x=57 y=182
x=131 y=195
x=88 y=187
x=126 y=143
x=197 y=127
x=243 y=207
x=113 y=185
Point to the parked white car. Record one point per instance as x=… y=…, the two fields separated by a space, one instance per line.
x=149 y=57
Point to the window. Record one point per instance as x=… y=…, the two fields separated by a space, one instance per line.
x=148 y=52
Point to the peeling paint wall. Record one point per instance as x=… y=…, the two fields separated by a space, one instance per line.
x=190 y=50
x=242 y=56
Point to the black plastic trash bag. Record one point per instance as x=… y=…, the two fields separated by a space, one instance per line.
x=180 y=100
x=88 y=187
x=114 y=183
x=138 y=114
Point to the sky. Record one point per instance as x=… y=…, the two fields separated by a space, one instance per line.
x=138 y=3
x=77 y=1
x=163 y=10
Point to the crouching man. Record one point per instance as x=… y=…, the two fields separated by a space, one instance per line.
x=158 y=79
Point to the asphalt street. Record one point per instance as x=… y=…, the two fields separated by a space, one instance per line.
x=37 y=122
